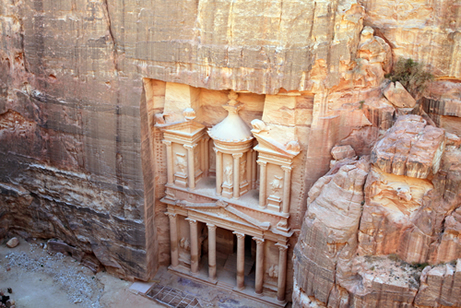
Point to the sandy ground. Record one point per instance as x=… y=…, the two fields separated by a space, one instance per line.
x=39 y=279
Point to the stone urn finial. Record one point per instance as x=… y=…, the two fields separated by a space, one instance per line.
x=189 y=114
x=233 y=98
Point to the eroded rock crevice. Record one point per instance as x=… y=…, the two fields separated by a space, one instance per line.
x=405 y=233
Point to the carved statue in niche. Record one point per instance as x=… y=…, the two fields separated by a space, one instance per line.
x=273 y=271
x=228 y=174
x=181 y=164
x=184 y=244
x=276 y=185
x=243 y=171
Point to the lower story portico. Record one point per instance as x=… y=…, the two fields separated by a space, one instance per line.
x=217 y=243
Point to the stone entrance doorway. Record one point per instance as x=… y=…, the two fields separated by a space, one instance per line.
x=226 y=259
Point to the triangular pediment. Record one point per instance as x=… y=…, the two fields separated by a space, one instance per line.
x=227 y=212
x=271 y=146
x=186 y=128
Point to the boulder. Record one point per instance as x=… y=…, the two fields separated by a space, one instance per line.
x=342 y=152
x=411 y=148
x=13 y=242
x=399 y=96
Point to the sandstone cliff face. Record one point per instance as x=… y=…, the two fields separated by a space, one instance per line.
x=75 y=140
x=410 y=27
x=373 y=224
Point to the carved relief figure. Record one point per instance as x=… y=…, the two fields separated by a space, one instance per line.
x=228 y=174
x=273 y=271
x=184 y=244
x=276 y=185
x=181 y=164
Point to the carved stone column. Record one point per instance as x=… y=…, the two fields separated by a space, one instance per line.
x=173 y=239
x=202 y=156
x=282 y=279
x=211 y=251
x=218 y=172
x=254 y=172
x=169 y=161
x=191 y=164
x=237 y=174
x=259 y=265
x=286 y=189
x=206 y=154
x=249 y=169
x=240 y=260
x=262 y=183
x=193 y=246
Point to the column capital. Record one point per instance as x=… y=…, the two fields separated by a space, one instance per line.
x=237 y=155
x=258 y=240
x=239 y=235
x=211 y=226
x=261 y=162
x=170 y=214
x=190 y=146
x=191 y=221
x=287 y=168
x=282 y=247
x=166 y=142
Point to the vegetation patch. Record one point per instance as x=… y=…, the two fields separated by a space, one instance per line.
x=412 y=75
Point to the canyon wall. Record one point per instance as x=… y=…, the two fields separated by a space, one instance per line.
x=384 y=230
x=75 y=144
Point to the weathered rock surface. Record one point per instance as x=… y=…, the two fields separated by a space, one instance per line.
x=440 y=286
x=76 y=150
x=398 y=96
x=410 y=148
x=342 y=152
x=406 y=221
x=379 y=112
x=13 y=242
x=328 y=232
x=424 y=31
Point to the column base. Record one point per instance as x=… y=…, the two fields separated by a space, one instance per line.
x=282 y=303
x=213 y=281
x=269 y=302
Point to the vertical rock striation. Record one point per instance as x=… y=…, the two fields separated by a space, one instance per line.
x=402 y=215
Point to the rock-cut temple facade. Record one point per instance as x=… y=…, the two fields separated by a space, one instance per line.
x=228 y=199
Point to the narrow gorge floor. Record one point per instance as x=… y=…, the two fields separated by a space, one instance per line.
x=39 y=279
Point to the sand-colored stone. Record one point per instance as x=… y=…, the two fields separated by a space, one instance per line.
x=83 y=84
x=13 y=242
x=410 y=148
x=380 y=112
x=342 y=152
x=327 y=235
x=402 y=220
x=398 y=96
x=440 y=286
x=423 y=31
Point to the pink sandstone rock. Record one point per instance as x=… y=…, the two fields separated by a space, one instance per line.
x=410 y=148
x=13 y=242
x=342 y=152
x=404 y=220
x=398 y=96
